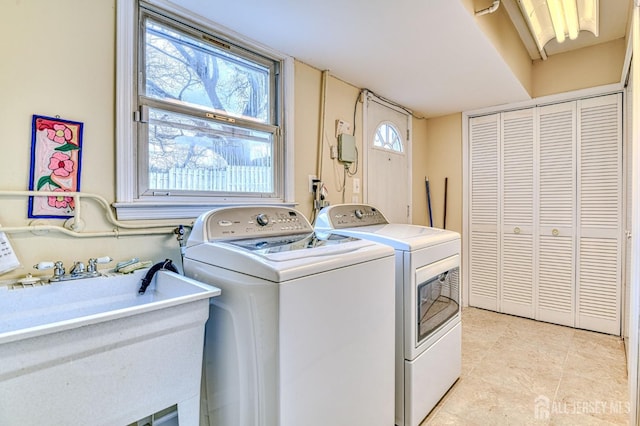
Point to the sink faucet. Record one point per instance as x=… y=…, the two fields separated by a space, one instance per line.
x=92 y=265
x=58 y=269
x=78 y=270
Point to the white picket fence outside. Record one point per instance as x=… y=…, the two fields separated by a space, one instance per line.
x=230 y=179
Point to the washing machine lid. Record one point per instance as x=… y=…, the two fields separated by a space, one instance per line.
x=287 y=246
x=273 y=243
x=400 y=236
x=287 y=260
x=367 y=222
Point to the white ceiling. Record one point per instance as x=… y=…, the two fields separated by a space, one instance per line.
x=427 y=55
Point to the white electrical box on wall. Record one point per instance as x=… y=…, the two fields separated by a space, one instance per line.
x=347 y=148
x=333 y=152
x=342 y=127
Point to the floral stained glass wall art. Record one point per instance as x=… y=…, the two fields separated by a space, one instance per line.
x=56 y=151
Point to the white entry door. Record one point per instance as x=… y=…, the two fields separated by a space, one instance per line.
x=387 y=183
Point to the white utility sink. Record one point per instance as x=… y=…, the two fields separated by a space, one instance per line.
x=94 y=351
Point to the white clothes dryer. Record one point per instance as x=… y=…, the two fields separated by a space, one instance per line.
x=303 y=331
x=428 y=315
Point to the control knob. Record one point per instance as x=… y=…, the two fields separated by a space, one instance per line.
x=262 y=219
x=359 y=214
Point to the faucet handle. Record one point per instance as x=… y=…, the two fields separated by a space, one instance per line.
x=94 y=261
x=77 y=268
x=43 y=265
x=58 y=267
x=103 y=259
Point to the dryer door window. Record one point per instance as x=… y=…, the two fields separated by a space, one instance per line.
x=437 y=302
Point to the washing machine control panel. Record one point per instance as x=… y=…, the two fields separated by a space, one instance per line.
x=249 y=222
x=350 y=215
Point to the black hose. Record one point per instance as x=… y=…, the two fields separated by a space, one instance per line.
x=166 y=265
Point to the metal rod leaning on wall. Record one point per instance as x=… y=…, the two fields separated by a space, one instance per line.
x=444 y=218
x=136 y=229
x=426 y=183
x=321 y=127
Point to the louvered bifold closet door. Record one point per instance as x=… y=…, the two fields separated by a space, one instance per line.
x=556 y=220
x=517 y=218
x=626 y=243
x=484 y=136
x=599 y=214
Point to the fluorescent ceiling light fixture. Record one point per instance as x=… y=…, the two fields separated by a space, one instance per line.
x=549 y=19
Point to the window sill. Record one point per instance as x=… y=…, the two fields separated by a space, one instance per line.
x=151 y=211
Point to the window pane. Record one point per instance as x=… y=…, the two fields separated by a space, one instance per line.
x=190 y=154
x=388 y=137
x=183 y=69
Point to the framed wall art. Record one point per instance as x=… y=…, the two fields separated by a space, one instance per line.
x=56 y=153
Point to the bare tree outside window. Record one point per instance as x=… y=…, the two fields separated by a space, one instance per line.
x=210 y=126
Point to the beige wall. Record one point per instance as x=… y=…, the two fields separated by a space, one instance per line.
x=588 y=67
x=61 y=60
x=419 y=169
x=580 y=69
x=339 y=101
x=444 y=160
x=500 y=31
x=307 y=99
x=584 y=68
x=341 y=98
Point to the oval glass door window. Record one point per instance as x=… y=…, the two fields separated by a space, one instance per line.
x=388 y=137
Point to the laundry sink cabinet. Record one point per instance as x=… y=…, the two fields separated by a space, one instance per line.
x=94 y=351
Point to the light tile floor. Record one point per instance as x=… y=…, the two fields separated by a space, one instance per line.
x=517 y=371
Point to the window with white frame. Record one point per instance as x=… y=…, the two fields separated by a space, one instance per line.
x=206 y=119
x=388 y=137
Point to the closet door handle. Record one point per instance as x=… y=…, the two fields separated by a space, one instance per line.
x=555 y=232
x=516 y=230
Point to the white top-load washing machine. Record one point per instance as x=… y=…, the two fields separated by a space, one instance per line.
x=428 y=315
x=303 y=331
